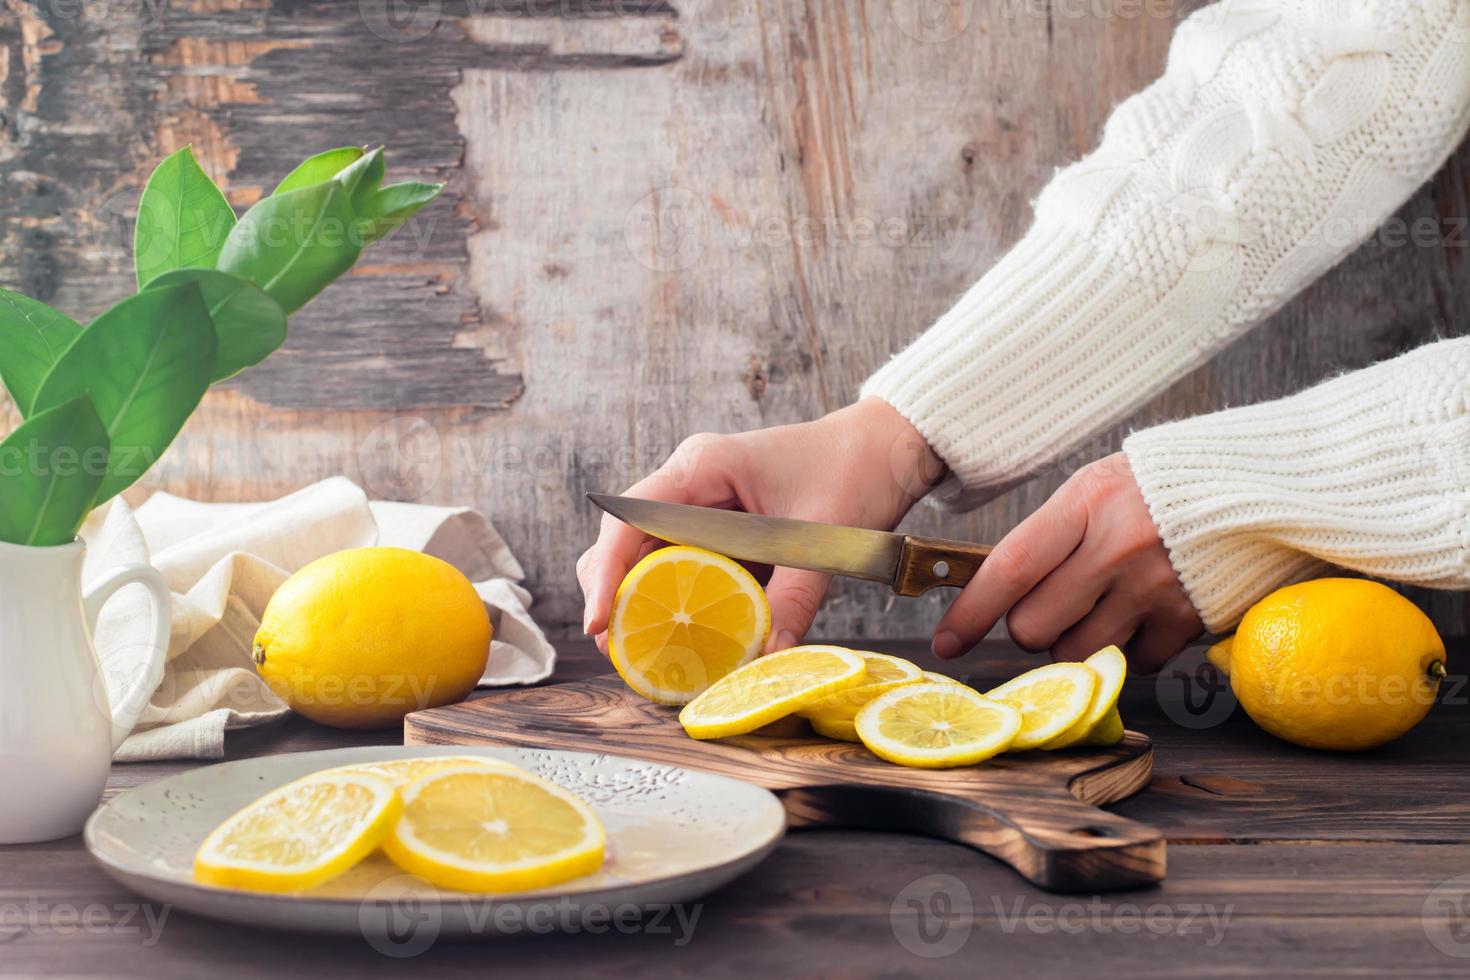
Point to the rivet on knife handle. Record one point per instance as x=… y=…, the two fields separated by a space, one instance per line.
x=928 y=563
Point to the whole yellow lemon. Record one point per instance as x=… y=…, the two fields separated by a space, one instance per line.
x=1336 y=663
x=360 y=638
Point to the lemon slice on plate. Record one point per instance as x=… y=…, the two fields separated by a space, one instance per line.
x=300 y=835
x=884 y=673
x=936 y=726
x=401 y=772
x=682 y=619
x=1111 y=668
x=772 y=686
x=838 y=728
x=1051 y=699
x=481 y=829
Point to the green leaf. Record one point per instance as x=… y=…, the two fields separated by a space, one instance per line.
x=320 y=168
x=32 y=337
x=248 y=324
x=145 y=364
x=293 y=245
x=389 y=207
x=361 y=179
x=183 y=219
x=50 y=469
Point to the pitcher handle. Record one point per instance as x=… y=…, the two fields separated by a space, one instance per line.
x=125 y=713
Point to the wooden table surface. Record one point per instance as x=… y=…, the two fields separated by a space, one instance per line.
x=1281 y=861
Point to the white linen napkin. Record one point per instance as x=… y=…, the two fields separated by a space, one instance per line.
x=224 y=561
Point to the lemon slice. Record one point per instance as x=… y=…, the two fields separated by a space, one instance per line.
x=936 y=726
x=1109 y=731
x=1051 y=700
x=682 y=619
x=1110 y=667
x=775 y=685
x=838 y=728
x=300 y=835
x=401 y=772
x=884 y=673
x=481 y=829
x=933 y=677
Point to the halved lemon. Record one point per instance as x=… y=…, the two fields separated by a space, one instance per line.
x=884 y=673
x=482 y=829
x=1051 y=699
x=682 y=619
x=301 y=834
x=764 y=690
x=1111 y=668
x=936 y=726
x=401 y=772
x=838 y=728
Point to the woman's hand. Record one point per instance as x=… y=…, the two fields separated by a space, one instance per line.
x=1085 y=570
x=863 y=466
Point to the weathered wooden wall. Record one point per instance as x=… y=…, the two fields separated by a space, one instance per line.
x=661 y=218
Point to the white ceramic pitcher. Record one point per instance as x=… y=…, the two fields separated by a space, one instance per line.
x=57 y=734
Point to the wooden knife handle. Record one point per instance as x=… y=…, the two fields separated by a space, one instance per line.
x=927 y=563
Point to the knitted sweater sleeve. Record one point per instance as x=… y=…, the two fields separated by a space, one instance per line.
x=1368 y=471
x=1282 y=133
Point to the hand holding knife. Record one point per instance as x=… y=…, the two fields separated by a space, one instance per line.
x=1088 y=568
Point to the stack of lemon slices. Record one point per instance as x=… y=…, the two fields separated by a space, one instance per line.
x=463 y=822
x=913 y=717
x=688 y=626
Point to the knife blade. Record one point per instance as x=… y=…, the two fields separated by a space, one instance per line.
x=909 y=564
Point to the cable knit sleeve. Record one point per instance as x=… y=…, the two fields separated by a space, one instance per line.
x=1369 y=471
x=1282 y=133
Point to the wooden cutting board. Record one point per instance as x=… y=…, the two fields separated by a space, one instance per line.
x=1036 y=811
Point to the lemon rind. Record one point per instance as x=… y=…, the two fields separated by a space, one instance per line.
x=837 y=728
x=934 y=677
x=1109 y=731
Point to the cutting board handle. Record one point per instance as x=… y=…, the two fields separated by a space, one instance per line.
x=1053 y=839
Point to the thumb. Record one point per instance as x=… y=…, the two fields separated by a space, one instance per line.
x=795 y=595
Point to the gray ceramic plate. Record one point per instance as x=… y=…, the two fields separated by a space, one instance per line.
x=673 y=835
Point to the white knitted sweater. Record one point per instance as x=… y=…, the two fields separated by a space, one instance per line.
x=1282 y=133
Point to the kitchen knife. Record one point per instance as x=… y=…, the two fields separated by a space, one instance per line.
x=907 y=563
